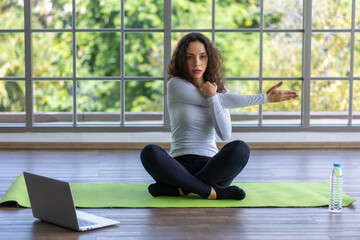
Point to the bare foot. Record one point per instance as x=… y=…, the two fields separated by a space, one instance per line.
x=212 y=195
x=181 y=192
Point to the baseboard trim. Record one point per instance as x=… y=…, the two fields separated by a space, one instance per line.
x=140 y=145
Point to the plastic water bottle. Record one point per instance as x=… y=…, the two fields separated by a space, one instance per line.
x=336 y=189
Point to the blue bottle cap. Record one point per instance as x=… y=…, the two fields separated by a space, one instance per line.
x=336 y=164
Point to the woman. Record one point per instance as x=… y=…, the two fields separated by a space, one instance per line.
x=199 y=105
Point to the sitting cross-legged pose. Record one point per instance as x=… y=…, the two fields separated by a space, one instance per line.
x=198 y=105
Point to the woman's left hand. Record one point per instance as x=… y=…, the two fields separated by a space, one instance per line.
x=208 y=89
x=276 y=95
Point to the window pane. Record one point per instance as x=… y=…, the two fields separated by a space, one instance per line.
x=235 y=14
x=12 y=55
x=98 y=102
x=98 y=14
x=98 y=54
x=329 y=102
x=284 y=14
x=357 y=55
x=12 y=14
x=52 y=54
x=12 y=102
x=51 y=14
x=53 y=102
x=246 y=115
x=191 y=14
x=144 y=102
x=144 y=54
x=175 y=38
x=330 y=55
x=331 y=14
x=240 y=52
x=356 y=103
x=282 y=54
x=357 y=16
x=284 y=113
x=144 y=14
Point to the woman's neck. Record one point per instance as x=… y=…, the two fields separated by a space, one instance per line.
x=199 y=81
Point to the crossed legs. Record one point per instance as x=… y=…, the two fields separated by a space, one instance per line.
x=216 y=174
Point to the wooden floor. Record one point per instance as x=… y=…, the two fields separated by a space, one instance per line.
x=188 y=223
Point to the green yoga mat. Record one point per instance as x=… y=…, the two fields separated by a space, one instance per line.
x=103 y=195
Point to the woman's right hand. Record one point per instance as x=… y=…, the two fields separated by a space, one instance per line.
x=207 y=89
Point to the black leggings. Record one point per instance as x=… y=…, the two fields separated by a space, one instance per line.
x=194 y=173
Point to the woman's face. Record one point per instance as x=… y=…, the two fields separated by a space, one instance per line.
x=196 y=60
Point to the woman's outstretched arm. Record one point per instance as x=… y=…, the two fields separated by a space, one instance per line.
x=233 y=100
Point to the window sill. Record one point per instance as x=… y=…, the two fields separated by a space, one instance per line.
x=137 y=140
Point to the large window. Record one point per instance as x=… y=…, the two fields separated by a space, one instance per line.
x=79 y=65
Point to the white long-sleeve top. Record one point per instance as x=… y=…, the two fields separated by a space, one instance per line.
x=194 y=119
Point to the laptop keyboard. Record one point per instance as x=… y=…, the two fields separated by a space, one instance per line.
x=85 y=223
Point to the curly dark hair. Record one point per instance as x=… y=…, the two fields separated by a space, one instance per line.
x=213 y=73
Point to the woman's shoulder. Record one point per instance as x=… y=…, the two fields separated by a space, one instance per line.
x=176 y=81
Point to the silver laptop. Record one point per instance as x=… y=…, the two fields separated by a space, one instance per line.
x=51 y=201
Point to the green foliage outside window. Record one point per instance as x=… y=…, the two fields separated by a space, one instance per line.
x=98 y=53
